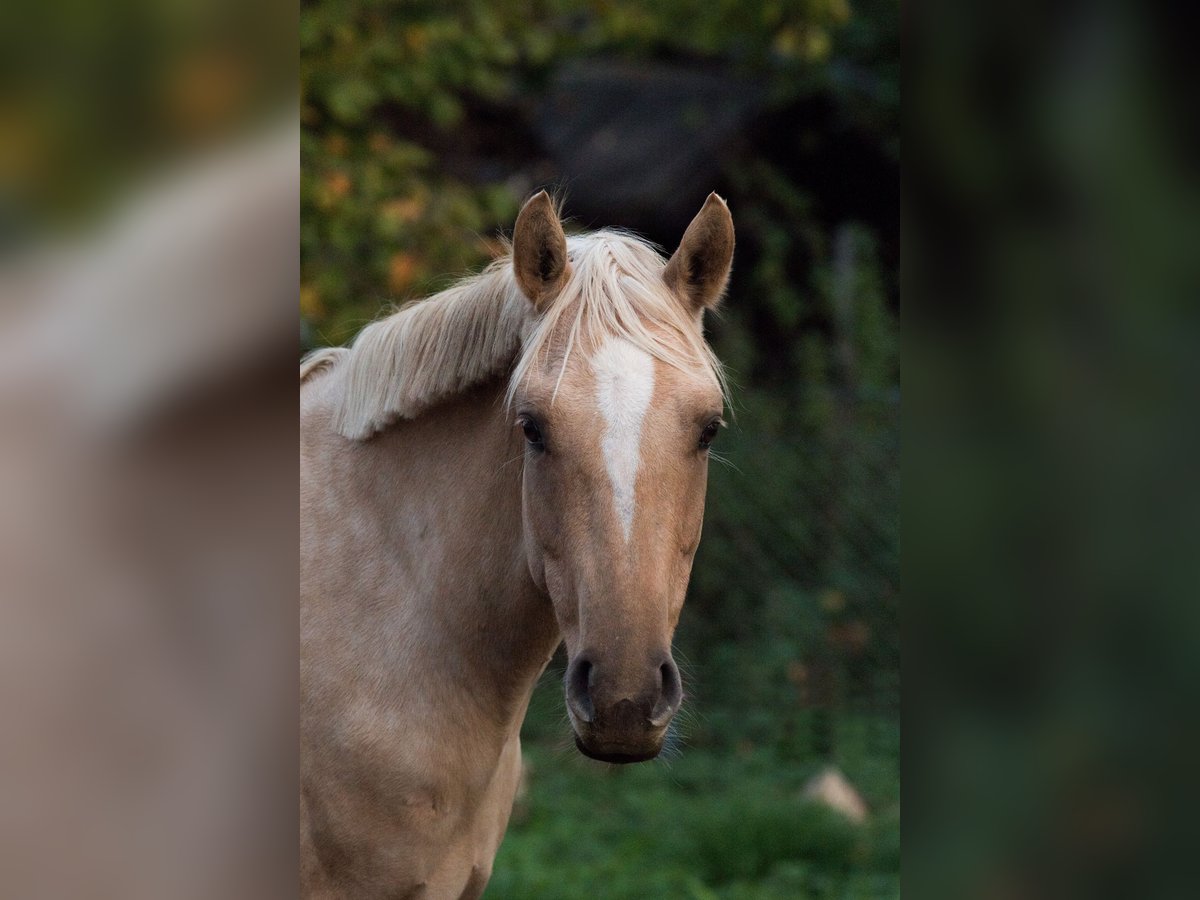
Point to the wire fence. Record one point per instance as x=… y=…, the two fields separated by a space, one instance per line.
x=794 y=612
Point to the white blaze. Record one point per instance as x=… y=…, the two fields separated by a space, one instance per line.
x=624 y=387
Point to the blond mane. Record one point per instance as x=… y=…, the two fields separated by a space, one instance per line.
x=484 y=326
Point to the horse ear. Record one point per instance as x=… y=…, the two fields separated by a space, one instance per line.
x=699 y=270
x=539 y=250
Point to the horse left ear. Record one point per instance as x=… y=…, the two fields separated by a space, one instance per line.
x=699 y=270
x=539 y=255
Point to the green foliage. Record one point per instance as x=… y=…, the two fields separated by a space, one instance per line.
x=383 y=219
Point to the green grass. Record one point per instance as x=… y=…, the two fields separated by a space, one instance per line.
x=714 y=822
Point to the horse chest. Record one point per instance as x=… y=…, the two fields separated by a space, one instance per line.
x=428 y=830
x=465 y=825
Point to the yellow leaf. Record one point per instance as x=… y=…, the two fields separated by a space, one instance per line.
x=833 y=600
x=817 y=45
x=338 y=184
x=416 y=38
x=403 y=209
x=310 y=302
x=787 y=42
x=336 y=145
x=333 y=187
x=402 y=269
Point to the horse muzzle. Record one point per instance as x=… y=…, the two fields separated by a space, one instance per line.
x=618 y=753
x=621 y=726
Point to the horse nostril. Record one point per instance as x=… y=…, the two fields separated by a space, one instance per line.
x=579 y=697
x=670 y=694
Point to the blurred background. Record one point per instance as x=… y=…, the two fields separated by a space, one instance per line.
x=424 y=126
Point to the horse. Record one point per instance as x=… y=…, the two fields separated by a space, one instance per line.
x=517 y=462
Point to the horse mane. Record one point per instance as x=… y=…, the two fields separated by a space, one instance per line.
x=482 y=326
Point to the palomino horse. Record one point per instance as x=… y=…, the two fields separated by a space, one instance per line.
x=518 y=461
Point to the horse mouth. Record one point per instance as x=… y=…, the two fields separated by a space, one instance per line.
x=616 y=754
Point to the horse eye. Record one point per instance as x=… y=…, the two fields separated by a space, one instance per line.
x=533 y=434
x=709 y=433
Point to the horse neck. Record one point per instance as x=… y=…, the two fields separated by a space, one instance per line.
x=449 y=483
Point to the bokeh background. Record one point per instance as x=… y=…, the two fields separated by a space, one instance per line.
x=424 y=126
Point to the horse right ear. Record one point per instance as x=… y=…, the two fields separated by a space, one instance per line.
x=699 y=270
x=539 y=251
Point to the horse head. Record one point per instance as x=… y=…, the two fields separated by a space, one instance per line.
x=618 y=398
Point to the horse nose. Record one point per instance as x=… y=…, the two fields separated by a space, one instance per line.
x=670 y=694
x=579 y=689
x=655 y=706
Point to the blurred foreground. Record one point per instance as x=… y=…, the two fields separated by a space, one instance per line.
x=147 y=544
x=148 y=269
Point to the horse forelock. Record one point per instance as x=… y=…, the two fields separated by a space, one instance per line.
x=615 y=291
